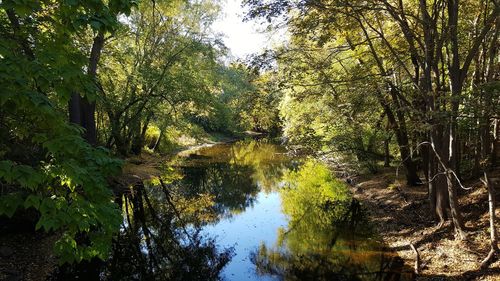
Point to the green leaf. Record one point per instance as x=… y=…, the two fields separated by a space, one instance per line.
x=6 y=170
x=9 y=203
x=32 y=201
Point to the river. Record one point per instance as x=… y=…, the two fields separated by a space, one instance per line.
x=246 y=211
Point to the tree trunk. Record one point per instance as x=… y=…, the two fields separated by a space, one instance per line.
x=442 y=149
x=495 y=151
x=456 y=216
x=82 y=109
x=493 y=254
x=119 y=143
x=75 y=112
x=138 y=141
x=404 y=150
x=438 y=196
x=403 y=144
x=387 y=154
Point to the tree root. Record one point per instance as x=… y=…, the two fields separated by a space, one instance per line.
x=417 y=259
x=490 y=258
x=440 y=225
x=461 y=234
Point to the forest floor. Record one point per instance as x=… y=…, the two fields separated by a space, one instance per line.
x=24 y=254
x=401 y=216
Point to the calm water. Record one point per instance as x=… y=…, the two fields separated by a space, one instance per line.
x=245 y=211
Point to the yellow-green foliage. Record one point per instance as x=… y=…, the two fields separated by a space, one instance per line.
x=152 y=135
x=313 y=200
x=318 y=205
x=311 y=187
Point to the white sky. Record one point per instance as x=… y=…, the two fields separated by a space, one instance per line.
x=242 y=38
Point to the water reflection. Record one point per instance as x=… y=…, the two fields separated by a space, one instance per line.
x=160 y=238
x=233 y=173
x=163 y=235
x=327 y=237
x=244 y=211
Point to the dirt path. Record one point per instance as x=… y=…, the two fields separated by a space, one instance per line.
x=401 y=216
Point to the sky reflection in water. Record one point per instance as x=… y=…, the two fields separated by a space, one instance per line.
x=318 y=234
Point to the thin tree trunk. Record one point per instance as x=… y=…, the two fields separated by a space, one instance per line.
x=156 y=146
x=493 y=254
x=387 y=154
x=495 y=151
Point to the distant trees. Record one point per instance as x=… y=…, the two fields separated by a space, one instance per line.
x=254 y=97
x=162 y=62
x=425 y=72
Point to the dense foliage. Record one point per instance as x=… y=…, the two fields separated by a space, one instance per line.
x=82 y=81
x=46 y=164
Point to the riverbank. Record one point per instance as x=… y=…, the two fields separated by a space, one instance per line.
x=148 y=165
x=401 y=216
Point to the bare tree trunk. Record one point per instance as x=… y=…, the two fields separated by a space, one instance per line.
x=493 y=254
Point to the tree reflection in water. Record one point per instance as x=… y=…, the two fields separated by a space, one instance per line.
x=232 y=173
x=327 y=237
x=160 y=238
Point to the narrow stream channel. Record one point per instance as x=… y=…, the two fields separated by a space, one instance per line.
x=246 y=211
